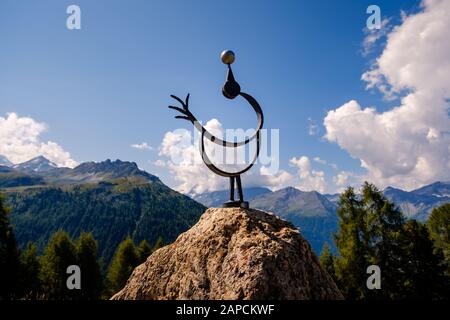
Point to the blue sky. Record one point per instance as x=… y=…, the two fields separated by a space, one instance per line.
x=107 y=86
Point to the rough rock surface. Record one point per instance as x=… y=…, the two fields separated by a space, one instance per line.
x=233 y=254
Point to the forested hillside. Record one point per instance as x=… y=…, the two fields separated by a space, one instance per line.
x=111 y=210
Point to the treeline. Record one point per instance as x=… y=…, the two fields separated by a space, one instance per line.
x=26 y=275
x=413 y=258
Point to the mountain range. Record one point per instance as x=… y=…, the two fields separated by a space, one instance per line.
x=315 y=214
x=417 y=204
x=115 y=199
x=44 y=172
x=111 y=199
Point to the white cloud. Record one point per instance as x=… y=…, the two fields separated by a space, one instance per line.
x=345 y=179
x=20 y=141
x=341 y=179
x=159 y=163
x=276 y=181
x=325 y=162
x=407 y=146
x=142 y=146
x=310 y=179
x=177 y=146
x=319 y=160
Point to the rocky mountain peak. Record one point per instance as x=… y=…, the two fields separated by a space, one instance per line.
x=98 y=171
x=233 y=253
x=37 y=164
x=106 y=166
x=437 y=189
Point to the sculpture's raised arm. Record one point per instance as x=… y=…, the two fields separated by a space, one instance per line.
x=187 y=115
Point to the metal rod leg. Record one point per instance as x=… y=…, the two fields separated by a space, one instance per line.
x=239 y=185
x=231 y=188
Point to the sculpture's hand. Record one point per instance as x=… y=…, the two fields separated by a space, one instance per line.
x=187 y=115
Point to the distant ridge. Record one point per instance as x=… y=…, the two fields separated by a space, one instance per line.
x=418 y=203
x=92 y=172
x=216 y=198
x=87 y=172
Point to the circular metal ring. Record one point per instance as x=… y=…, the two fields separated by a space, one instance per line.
x=224 y=143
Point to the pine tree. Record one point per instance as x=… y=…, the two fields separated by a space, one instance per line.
x=124 y=261
x=143 y=251
x=424 y=272
x=59 y=254
x=91 y=277
x=327 y=260
x=369 y=227
x=439 y=228
x=30 y=270
x=372 y=231
x=384 y=222
x=9 y=257
x=351 y=262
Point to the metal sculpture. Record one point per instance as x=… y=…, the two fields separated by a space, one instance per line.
x=230 y=90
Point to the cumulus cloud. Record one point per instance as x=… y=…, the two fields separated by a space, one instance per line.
x=20 y=140
x=159 y=163
x=325 y=162
x=319 y=160
x=310 y=179
x=181 y=150
x=142 y=146
x=184 y=162
x=276 y=181
x=345 y=179
x=407 y=146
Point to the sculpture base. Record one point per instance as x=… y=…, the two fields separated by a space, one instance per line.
x=236 y=204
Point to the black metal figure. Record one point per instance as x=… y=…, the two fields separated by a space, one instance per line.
x=230 y=90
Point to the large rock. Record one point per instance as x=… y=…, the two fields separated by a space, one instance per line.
x=233 y=254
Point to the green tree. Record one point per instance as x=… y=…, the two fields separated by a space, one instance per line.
x=124 y=261
x=369 y=227
x=439 y=227
x=9 y=257
x=59 y=254
x=91 y=277
x=143 y=251
x=30 y=270
x=372 y=231
x=351 y=264
x=424 y=273
x=383 y=224
x=327 y=260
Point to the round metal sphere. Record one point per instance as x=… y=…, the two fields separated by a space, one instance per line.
x=227 y=56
